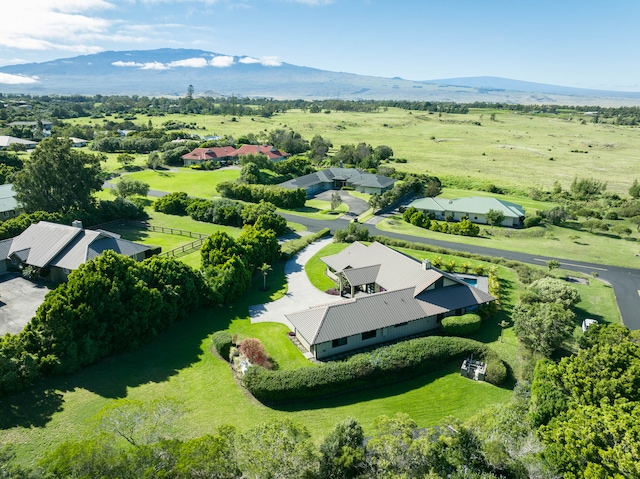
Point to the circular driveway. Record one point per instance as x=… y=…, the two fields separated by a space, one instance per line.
x=301 y=293
x=356 y=206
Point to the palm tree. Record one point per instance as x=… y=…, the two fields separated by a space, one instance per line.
x=264 y=269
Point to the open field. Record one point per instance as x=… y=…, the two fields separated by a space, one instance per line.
x=197 y=183
x=515 y=150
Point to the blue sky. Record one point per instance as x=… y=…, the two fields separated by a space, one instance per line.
x=589 y=44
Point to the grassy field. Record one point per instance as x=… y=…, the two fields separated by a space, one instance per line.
x=515 y=150
x=548 y=240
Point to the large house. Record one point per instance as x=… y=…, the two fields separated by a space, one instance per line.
x=228 y=154
x=55 y=250
x=269 y=151
x=336 y=178
x=392 y=296
x=5 y=141
x=473 y=207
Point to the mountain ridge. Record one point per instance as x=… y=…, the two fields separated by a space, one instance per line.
x=168 y=72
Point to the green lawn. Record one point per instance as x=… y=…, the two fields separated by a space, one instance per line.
x=516 y=150
x=195 y=182
x=554 y=241
x=318 y=209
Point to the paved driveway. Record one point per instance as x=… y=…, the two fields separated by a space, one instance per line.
x=301 y=293
x=19 y=300
x=356 y=206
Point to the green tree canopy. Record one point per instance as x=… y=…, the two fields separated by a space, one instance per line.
x=58 y=178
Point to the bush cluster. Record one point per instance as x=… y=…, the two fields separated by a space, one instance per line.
x=109 y=304
x=462 y=228
x=222 y=342
x=464 y=325
x=281 y=197
x=381 y=366
x=223 y=211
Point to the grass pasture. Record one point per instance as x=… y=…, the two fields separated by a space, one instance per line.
x=516 y=150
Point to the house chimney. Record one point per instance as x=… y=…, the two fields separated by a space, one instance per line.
x=426 y=264
x=76 y=224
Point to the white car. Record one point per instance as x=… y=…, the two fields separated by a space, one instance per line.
x=588 y=322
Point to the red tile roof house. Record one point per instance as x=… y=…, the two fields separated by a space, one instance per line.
x=271 y=152
x=215 y=153
x=392 y=295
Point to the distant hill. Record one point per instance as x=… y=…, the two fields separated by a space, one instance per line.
x=168 y=72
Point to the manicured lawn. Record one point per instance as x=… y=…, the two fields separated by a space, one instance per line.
x=318 y=209
x=548 y=240
x=197 y=183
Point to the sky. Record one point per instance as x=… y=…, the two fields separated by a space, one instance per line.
x=576 y=43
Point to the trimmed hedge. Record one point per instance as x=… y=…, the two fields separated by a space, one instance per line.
x=383 y=366
x=464 y=325
x=222 y=342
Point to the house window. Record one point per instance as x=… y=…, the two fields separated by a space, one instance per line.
x=371 y=288
x=369 y=334
x=338 y=342
x=399 y=325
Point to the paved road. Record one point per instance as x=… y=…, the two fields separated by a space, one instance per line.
x=625 y=281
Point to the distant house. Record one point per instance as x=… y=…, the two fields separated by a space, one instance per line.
x=271 y=152
x=392 y=296
x=46 y=125
x=473 y=207
x=222 y=154
x=336 y=178
x=78 y=142
x=55 y=250
x=8 y=204
x=5 y=141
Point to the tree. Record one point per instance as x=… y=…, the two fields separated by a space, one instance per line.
x=382 y=153
x=319 y=148
x=125 y=159
x=129 y=187
x=552 y=290
x=58 y=178
x=218 y=248
x=542 y=327
x=634 y=190
x=154 y=160
x=282 y=450
x=336 y=200
x=342 y=451
x=584 y=188
x=264 y=269
x=495 y=217
x=553 y=264
x=138 y=422
x=250 y=173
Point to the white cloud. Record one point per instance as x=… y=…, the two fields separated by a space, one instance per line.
x=50 y=24
x=270 y=61
x=189 y=62
x=120 y=63
x=9 y=79
x=154 y=66
x=222 y=61
x=248 y=60
x=313 y=3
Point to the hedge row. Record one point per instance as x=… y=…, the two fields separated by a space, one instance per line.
x=464 y=325
x=222 y=342
x=281 y=197
x=382 y=366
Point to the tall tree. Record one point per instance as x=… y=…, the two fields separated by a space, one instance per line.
x=58 y=178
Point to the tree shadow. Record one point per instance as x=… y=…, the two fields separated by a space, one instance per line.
x=175 y=349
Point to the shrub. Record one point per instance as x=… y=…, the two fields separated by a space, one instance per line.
x=172 y=204
x=255 y=352
x=382 y=366
x=222 y=342
x=531 y=221
x=464 y=325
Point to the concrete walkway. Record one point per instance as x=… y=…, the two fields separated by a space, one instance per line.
x=301 y=293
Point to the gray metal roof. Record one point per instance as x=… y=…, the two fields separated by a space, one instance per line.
x=44 y=241
x=5 y=246
x=352 y=176
x=7 y=198
x=396 y=270
x=471 y=204
x=358 y=276
x=50 y=244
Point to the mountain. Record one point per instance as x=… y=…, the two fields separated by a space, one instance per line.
x=168 y=72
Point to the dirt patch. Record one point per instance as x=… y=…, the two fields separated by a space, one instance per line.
x=578 y=280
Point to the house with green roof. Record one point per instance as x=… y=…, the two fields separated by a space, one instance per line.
x=473 y=207
x=390 y=296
